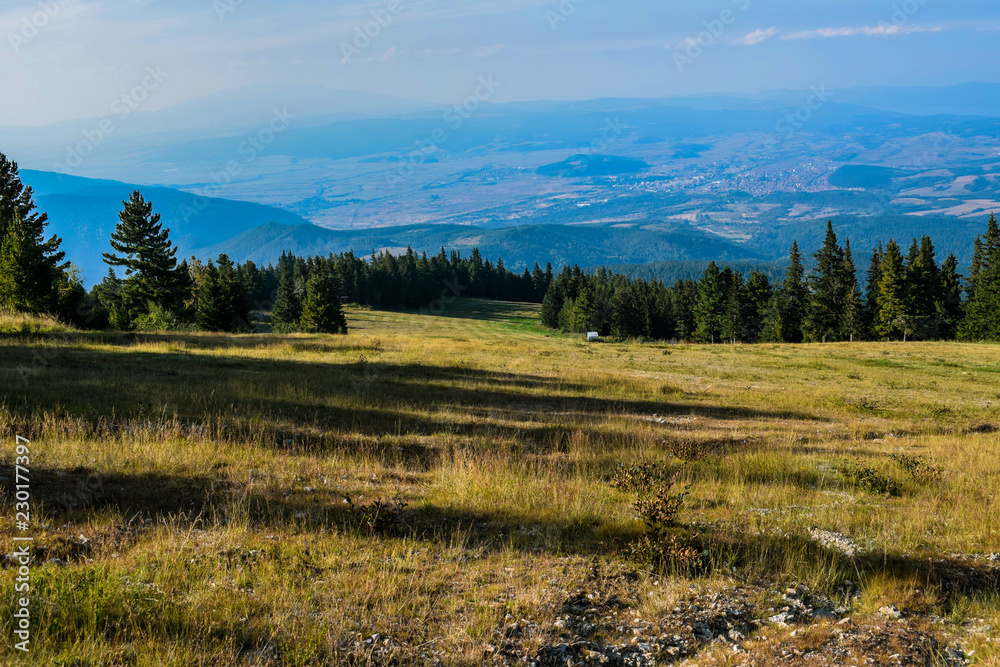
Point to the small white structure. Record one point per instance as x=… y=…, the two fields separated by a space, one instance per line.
x=593 y=336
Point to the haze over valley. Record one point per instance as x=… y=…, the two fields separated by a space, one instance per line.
x=692 y=178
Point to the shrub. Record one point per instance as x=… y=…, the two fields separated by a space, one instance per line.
x=692 y=450
x=920 y=470
x=158 y=319
x=380 y=517
x=866 y=477
x=657 y=504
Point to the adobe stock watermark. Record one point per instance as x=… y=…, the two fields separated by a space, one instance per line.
x=453 y=120
x=251 y=148
x=562 y=13
x=225 y=7
x=365 y=34
x=793 y=122
x=902 y=13
x=33 y=24
x=22 y=553
x=694 y=47
x=121 y=108
x=452 y=291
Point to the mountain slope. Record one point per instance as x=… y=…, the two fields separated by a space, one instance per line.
x=84 y=212
x=521 y=246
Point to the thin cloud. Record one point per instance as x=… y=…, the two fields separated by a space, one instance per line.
x=882 y=30
x=444 y=53
x=759 y=35
x=487 y=51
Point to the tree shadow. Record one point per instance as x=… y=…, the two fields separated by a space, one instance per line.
x=770 y=556
x=116 y=380
x=71 y=497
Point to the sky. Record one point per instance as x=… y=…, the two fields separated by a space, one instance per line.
x=68 y=59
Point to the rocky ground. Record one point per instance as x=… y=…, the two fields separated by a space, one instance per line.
x=742 y=625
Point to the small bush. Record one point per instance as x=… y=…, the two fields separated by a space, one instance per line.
x=866 y=477
x=693 y=450
x=158 y=319
x=657 y=504
x=640 y=478
x=920 y=470
x=380 y=517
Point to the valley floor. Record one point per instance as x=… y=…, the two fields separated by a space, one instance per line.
x=439 y=490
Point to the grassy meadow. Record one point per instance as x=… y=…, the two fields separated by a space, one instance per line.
x=438 y=490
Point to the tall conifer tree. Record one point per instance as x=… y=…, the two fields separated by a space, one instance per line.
x=893 y=296
x=854 y=315
x=982 y=310
x=787 y=309
x=827 y=294
x=31 y=267
x=710 y=308
x=147 y=255
x=321 y=311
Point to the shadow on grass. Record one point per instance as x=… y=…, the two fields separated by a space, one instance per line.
x=75 y=496
x=344 y=394
x=777 y=557
x=78 y=495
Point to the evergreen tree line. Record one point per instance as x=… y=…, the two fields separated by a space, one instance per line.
x=414 y=281
x=904 y=297
x=300 y=293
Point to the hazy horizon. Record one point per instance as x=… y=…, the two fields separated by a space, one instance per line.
x=70 y=59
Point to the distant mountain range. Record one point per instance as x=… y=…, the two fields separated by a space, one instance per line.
x=608 y=181
x=84 y=213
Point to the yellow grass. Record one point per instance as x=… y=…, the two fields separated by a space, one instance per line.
x=209 y=493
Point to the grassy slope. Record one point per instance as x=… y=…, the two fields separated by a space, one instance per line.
x=196 y=486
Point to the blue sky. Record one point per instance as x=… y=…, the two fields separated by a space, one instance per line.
x=63 y=59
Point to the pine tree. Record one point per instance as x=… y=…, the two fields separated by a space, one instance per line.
x=107 y=297
x=786 y=311
x=287 y=305
x=17 y=287
x=581 y=314
x=871 y=293
x=552 y=304
x=683 y=297
x=735 y=327
x=538 y=283
x=710 y=308
x=321 y=312
x=827 y=294
x=982 y=321
x=950 y=304
x=148 y=257
x=626 y=319
x=853 y=316
x=236 y=302
x=212 y=303
x=893 y=296
x=922 y=284
x=253 y=282
x=759 y=294
x=31 y=267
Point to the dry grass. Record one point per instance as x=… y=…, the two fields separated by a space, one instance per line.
x=209 y=492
